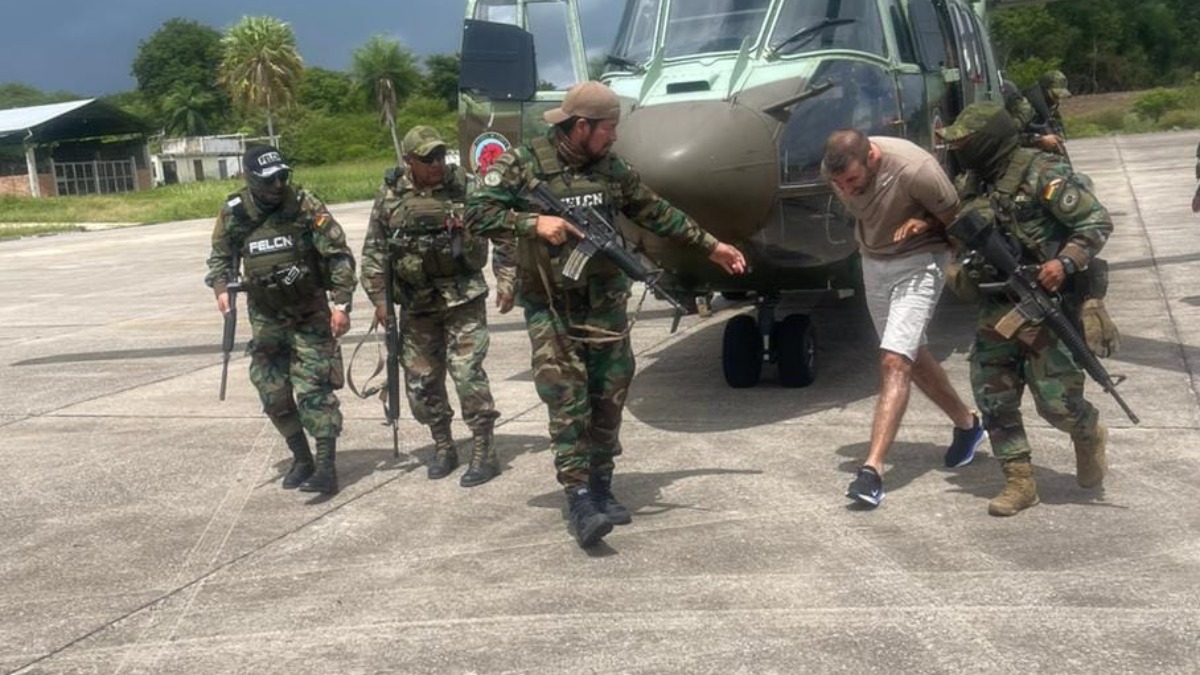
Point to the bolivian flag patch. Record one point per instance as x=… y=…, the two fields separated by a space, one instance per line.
x=1052 y=190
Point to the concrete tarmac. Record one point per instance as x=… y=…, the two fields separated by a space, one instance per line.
x=143 y=529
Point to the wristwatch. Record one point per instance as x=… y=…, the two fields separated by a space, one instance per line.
x=1067 y=264
x=342 y=307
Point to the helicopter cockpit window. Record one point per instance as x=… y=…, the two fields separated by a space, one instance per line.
x=706 y=26
x=496 y=11
x=635 y=38
x=808 y=26
x=547 y=21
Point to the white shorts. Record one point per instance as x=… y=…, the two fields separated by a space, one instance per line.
x=901 y=296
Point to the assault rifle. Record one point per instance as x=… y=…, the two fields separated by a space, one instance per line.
x=233 y=286
x=1034 y=304
x=599 y=236
x=391 y=331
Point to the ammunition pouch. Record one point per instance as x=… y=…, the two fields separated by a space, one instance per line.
x=284 y=287
x=423 y=258
x=1088 y=289
x=959 y=281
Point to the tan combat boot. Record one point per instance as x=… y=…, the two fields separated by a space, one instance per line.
x=1019 y=493
x=1091 y=462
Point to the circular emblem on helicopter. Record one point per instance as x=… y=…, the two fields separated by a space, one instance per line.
x=938 y=126
x=485 y=149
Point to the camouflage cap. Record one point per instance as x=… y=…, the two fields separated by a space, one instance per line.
x=1056 y=83
x=421 y=140
x=589 y=100
x=972 y=119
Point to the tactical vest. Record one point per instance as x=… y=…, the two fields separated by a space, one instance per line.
x=1015 y=208
x=280 y=263
x=431 y=243
x=533 y=253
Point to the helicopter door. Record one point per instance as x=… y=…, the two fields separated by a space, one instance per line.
x=914 y=82
x=938 y=54
x=978 y=76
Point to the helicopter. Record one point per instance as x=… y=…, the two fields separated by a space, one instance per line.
x=726 y=106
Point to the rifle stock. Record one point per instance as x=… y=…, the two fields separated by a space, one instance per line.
x=232 y=287
x=600 y=236
x=1033 y=302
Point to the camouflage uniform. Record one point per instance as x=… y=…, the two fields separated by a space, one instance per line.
x=1049 y=214
x=583 y=380
x=1035 y=110
x=291 y=259
x=443 y=315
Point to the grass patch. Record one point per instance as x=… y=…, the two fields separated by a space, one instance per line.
x=334 y=183
x=1148 y=111
x=19 y=231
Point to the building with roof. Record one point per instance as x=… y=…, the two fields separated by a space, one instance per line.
x=198 y=158
x=72 y=148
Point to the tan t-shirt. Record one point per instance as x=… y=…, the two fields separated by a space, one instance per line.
x=910 y=184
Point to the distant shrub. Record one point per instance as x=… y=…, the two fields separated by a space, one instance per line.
x=1155 y=103
x=1026 y=72
x=1180 y=119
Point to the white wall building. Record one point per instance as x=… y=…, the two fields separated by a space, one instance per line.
x=198 y=158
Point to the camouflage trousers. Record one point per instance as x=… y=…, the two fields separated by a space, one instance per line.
x=584 y=385
x=1035 y=357
x=454 y=339
x=296 y=364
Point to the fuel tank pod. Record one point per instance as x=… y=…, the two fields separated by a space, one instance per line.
x=716 y=160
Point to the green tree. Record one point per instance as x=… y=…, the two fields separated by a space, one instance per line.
x=328 y=91
x=388 y=74
x=181 y=54
x=187 y=109
x=20 y=95
x=260 y=67
x=441 y=80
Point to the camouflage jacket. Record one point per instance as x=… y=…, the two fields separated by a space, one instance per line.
x=1044 y=205
x=390 y=224
x=320 y=232
x=499 y=209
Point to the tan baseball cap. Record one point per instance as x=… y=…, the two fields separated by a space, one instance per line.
x=589 y=100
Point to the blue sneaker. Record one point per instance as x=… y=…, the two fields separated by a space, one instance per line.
x=962 y=449
x=867 y=487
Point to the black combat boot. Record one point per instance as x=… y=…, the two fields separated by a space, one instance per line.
x=589 y=523
x=324 y=479
x=445 y=456
x=600 y=485
x=302 y=461
x=484 y=463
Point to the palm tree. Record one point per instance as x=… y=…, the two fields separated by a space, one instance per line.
x=187 y=108
x=260 y=66
x=388 y=74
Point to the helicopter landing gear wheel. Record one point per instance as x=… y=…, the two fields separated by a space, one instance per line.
x=794 y=346
x=742 y=352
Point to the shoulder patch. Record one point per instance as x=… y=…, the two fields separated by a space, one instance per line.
x=493 y=178
x=1068 y=201
x=322 y=219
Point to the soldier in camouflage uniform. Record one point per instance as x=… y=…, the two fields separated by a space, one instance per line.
x=582 y=359
x=1036 y=113
x=294 y=263
x=1047 y=212
x=438 y=283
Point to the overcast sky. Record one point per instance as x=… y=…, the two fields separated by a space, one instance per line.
x=87 y=46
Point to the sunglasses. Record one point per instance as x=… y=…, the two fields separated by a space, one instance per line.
x=432 y=158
